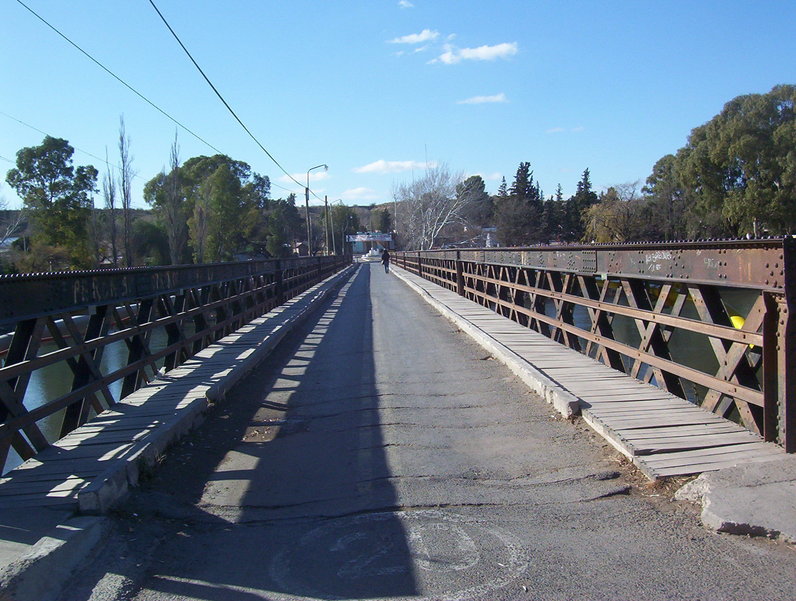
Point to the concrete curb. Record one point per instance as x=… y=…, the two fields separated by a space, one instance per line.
x=566 y=403
x=757 y=499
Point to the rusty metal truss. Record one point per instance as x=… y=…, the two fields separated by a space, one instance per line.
x=708 y=321
x=70 y=319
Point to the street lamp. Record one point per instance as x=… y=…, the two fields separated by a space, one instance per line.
x=307 y=205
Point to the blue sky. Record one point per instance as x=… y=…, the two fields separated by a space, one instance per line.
x=378 y=89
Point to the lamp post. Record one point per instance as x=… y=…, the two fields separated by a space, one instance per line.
x=307 y=205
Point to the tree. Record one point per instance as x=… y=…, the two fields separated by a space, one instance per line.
x=173 y=208
x=577 y=205
x=611 y=219
x=166 y=194
x=58 y=198
x=228 y=209
x=226 y=205
x=429 y=205
x=198 y=223
x=109 y=194
x=10 y=222
x=478 y=205
x=517 y=214
x=344 y=221
x=284 y=225
x=383 y=221
x=503 y=189
x=666 y=199
x=737 y=172
x=552 y=217
x=126 y=175
x=150 y=243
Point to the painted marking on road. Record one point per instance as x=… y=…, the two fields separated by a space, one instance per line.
x=426 y=553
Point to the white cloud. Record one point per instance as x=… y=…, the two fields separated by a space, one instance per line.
x=426 y=35
x=452 y=55
x=360 y=194
x=383 y=167
x=485 y=99
x=405 y=4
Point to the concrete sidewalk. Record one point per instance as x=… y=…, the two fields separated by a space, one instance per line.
x=751 y=493
x=45 y=533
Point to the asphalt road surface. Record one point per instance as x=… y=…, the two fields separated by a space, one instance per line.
x=380 y=454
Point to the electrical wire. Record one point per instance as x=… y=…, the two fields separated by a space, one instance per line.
x=94 y=156
x=117 y=78
x=220 y=97
x=134 y=91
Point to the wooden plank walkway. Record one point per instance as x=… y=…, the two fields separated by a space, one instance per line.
x=661 y=433
x=95 y=464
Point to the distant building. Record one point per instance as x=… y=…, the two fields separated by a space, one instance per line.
x=363 y=242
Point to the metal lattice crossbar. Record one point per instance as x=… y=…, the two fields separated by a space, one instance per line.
x=54 y=374
x=707 y=321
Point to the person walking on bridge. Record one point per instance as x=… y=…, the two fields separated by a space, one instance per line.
x=385 y=260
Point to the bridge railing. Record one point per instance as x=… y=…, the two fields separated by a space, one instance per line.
x=711 y=322
x=60 y=330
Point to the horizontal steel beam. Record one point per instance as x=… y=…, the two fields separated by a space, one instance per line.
x=25 y=296
x=758 y=264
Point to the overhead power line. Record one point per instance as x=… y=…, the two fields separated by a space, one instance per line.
x=94 y=156
x=139 y=94
x=221 y=98
x=117 y=78
x=128 y=86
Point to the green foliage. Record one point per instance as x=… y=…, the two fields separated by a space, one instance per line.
x=58 y=198
x=150 y=243
x=666 y=201
x=518 y=213
x=738 y=171
x=213 y=208
x=383 y=221
x=283 y=226
x=479 y=207
x=345 y=221
x=611 y=219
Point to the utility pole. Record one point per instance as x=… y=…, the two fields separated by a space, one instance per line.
x=307 y=215
x=326 y=204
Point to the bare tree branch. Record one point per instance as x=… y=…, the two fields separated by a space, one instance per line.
x=428 y=205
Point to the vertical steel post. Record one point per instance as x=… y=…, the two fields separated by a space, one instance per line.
x=459 y=274
x=279 y=284
x=771 y=359
x=787 y=349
